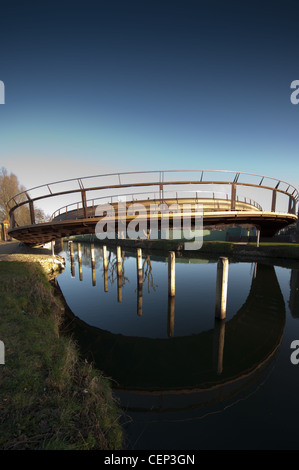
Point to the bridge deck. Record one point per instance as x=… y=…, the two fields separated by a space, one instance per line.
x=268 y=222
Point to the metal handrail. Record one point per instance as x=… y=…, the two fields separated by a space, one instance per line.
x=161 y=173
x=162 y=181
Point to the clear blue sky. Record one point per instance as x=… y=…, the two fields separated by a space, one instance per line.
x=99 y=86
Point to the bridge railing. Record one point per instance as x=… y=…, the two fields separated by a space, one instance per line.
x=198 y=196
x=161 y=181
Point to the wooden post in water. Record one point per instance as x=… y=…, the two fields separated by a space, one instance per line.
x=119 y=280
x=71 y=250
x=139 y=281
x=80 y=261
x=105 y=262
x=221 y=288
x=118 y=259
x=93 y=264
x=171 y=273
x=139 y=259
x=105 y=266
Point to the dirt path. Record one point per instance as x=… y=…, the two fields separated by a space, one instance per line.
x=8 y=248
x=16 y=251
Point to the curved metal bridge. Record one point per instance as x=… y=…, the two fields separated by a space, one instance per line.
x=226 y=197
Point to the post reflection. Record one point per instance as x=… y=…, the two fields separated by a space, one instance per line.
x=171 y=306
x=218 y=346
x=294 y=293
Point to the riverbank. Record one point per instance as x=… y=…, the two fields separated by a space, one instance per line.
x=50 y=399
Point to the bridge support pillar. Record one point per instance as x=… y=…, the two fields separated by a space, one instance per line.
x=171 y=273
x=221 y=288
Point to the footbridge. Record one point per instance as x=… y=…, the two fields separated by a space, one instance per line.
x=225 y=197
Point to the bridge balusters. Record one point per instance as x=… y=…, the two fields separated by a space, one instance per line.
x=84 y=203
x=32 y=214
x=274 y=196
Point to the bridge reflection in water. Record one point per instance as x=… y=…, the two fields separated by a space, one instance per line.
x=200 y=371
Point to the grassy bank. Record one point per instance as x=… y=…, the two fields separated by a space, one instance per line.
x=265 y=250
x=49 y=398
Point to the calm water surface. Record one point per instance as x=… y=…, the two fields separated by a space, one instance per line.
x=185 y=379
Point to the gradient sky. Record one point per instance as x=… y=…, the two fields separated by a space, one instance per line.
x=99 y=86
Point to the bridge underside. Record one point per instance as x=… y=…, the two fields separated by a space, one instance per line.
x=269 y=223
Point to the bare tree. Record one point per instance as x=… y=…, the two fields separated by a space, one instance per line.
x=10 y=187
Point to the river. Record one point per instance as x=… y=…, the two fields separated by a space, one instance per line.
x=185 y=379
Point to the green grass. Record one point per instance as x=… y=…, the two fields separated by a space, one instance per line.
x=49 y=398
